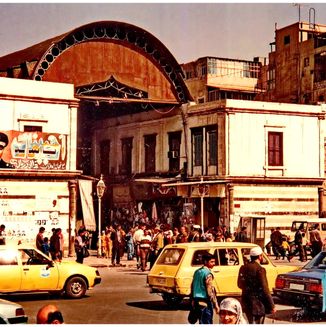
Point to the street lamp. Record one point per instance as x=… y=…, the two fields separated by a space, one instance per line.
x=100 y=189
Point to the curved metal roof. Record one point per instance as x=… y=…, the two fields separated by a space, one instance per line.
x=45 y=53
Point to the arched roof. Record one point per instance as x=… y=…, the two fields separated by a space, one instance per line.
x=38 y=59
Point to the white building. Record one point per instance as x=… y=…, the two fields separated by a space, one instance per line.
x=40 y=121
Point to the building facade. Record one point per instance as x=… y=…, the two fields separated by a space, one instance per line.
x=213 y=78
x=296 y=66
x=38 y=186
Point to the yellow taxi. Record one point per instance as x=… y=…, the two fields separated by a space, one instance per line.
x=172 y=273
x=26 y=269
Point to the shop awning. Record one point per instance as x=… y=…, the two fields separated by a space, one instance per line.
x=85 y=190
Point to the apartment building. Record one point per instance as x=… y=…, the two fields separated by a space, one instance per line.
x=213 y=78
x=296 y=65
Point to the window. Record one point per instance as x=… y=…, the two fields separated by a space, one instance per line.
x=105 y=157
x=275 y=149
x=197 y=259
x=150 y=157
x=320 y=68
x=174 y=151
x=226 y=257
x=203 y=70
x=171 y=257
x=31 y=128
x=198 y=147
x=204 y=149
x=271 y=79
x=126 y=156
x=212 y=146
x=306 y=62
x=287 y=39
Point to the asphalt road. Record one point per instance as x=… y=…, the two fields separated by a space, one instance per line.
x=123 y=298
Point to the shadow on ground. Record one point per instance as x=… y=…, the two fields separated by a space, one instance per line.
x=159 y=306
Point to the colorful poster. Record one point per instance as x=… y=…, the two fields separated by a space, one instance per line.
x=36 y=150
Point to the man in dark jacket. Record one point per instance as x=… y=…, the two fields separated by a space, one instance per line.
x=256 y=297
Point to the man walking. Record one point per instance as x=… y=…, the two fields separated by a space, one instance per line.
x=256 y=297
x=315 y=240
x=203 y=293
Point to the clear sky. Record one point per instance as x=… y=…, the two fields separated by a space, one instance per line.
x=188 y=30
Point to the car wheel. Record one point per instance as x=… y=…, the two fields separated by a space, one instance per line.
x=171 y=299
x=76 y=287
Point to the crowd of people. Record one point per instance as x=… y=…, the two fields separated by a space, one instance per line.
x=281 y=246
x=145 y=242
x=51 y=247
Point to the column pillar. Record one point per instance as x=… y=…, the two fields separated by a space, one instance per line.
x=72 y=215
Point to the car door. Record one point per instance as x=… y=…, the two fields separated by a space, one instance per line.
x=10 y=270
x=226 y=270
x=37 y=274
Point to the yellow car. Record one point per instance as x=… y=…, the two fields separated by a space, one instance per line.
x=26 y=269
x=172 y=273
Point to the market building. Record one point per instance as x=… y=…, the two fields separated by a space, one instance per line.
x=166 y=158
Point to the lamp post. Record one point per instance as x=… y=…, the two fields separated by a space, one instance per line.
x=100 y=189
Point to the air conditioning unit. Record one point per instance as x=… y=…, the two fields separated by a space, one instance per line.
x=173 y=154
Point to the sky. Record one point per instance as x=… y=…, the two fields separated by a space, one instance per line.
x=189 y=30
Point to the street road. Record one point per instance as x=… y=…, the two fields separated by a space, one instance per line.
x=124 y=298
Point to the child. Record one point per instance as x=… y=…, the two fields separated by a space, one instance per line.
x=46 y=246
x=285 y=247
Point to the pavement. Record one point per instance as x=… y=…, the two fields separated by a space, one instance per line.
x=97 y=262
x=94 y=261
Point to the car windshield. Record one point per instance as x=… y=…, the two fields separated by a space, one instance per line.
x=319 y=261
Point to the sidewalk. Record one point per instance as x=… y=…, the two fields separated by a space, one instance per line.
x=96 y=262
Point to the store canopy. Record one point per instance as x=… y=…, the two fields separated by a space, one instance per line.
x=85 y=190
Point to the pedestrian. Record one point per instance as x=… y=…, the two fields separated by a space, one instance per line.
x=46 y=246
x=256 y=298
x=145 y=244
x=276 y=239
x=194 y=235
x=203 y=294
x=49 y=314
x=61 y=243
x=299 y=245
x=183 y=235
x=137 y=235
x=117 y=236
x=315 y=240
x=39 y=238
x=284 y=248
x=231 y=312
x=55 y=245
x=2 y=235
x=157 y=245
x=79 y=244
x=130 y=244
x=242 y=236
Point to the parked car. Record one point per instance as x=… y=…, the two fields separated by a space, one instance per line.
x=26 y=269
x=12 y=313
x=172 y=273
x=303 y=288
